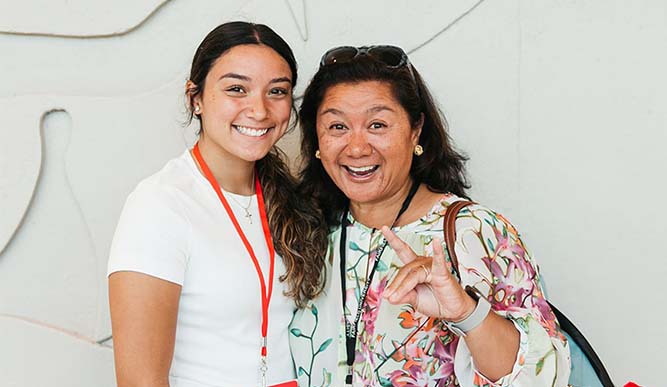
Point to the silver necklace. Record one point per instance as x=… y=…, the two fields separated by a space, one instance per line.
x=245 y=208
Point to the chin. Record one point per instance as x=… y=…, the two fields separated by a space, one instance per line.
x=255 y=155
x=359 y=195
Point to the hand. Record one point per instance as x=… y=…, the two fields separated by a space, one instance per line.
x=427 y=283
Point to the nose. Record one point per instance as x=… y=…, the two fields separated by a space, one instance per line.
x=257 y=108
x=358 y=145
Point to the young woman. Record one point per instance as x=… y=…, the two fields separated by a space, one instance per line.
x=213 y=252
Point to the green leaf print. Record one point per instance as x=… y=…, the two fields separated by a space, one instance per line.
x=490 y=244
x=324 y=345
x=382 y=266
x=355 y=247
x=296 y=332
x=385 y=382
x=302 y=371
x=539 y=366
x=522 y=322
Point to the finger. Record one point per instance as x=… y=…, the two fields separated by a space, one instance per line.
x=408 y=284
x=440 y=266
x=409 y=298
x=401 y=248
x=421 y=263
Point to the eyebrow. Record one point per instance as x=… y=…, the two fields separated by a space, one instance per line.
x=379 y=108
x=248 y=79
x=281 y=79
x=332 y=111
x=236 y=76
x=373 y=109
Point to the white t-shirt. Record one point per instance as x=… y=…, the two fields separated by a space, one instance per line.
x=174 y=227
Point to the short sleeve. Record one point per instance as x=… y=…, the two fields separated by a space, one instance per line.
x=492 y=258
x=153 y=234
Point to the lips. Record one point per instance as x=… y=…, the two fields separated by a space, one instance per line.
x=250 y=131
x=361 y=172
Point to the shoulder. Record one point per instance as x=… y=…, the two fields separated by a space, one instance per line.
x=154 y=231
x=167 y=187
x=477 y=227
x=473 y=212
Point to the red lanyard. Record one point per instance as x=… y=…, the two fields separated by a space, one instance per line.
x=266 y=296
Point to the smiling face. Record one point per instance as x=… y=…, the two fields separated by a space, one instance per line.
x=246 y=102
x=366 y=141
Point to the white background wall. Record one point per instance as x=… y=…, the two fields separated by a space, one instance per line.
x=559 y=104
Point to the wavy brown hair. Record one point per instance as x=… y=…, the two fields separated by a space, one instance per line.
x=297 y=225
x=441 y=167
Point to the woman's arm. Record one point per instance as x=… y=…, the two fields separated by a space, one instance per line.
x=143 y=319
x=429 y=286
x=494 y=345
x=492 y=259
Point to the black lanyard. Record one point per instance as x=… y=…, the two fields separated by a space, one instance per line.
x=350 y=329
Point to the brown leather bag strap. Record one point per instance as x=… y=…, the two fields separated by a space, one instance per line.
x=449 y=230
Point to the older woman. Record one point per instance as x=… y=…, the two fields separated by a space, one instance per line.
x=380 y=163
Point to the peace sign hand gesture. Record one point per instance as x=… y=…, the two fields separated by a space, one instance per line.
x=427 y=283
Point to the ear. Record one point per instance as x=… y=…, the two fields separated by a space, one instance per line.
x=417 y=130
x=193 y=94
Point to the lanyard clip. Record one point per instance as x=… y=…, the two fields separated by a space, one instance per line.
x=262 y=370
x=263 y=367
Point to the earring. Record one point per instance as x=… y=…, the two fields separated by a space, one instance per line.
x=197 y=109
x=418 y=150
x=317 y=154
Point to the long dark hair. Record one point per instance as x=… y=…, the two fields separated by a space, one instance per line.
x=296 y=224
x=441 y=167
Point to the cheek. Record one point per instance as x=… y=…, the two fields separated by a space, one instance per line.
x=329 y=151
x=328 y=146
x=210 y=99
x=221 y=107
x=282 y=110
x=398 y=153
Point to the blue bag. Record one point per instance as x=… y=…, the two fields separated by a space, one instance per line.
x=587 y=369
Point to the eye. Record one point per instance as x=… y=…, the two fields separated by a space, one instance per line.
x=279 y=91
x=378 y=125
x=236 y=89
x=337 y=126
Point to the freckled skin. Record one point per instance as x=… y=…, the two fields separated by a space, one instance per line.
x=362 y=124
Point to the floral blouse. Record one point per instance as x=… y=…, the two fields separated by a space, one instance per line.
x=397 y=346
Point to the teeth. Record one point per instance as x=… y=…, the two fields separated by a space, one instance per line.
x=361 y=169
x=251 y=131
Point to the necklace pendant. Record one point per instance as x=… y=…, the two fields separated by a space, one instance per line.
x=249 y=216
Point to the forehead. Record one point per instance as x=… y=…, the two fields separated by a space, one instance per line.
x=359 y=97
x=255 y=60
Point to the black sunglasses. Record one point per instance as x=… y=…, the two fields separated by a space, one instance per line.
x=391 y=56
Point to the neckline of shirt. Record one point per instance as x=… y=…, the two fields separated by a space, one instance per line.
x=202 y=179
x=438 y=209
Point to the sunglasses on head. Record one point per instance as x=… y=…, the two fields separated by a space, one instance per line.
x=391 y=56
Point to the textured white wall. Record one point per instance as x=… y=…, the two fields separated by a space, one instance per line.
x=559 y=104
